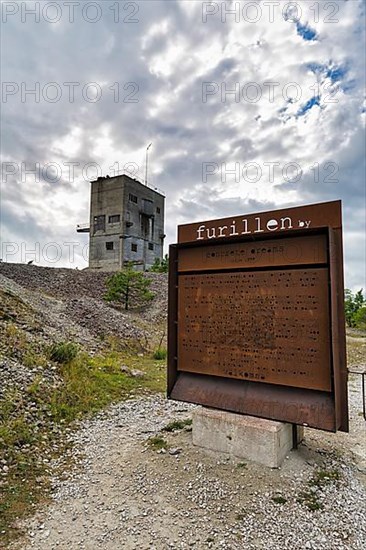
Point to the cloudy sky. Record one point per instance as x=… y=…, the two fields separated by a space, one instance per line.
x=249 y=105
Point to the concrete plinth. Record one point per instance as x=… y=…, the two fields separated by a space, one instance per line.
x=263 y=441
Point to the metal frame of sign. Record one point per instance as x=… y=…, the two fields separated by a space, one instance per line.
x=324 y=404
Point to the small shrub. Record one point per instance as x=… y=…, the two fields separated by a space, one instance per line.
x=160 y=354
x=64 y=352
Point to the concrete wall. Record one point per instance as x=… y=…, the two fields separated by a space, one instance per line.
x=145 y=230
x=139 y=234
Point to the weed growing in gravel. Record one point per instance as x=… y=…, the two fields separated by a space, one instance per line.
x=241 y=465
x=157 y=443
x=311 y=500
x=317 y=482
x=279 y=499
x=324 y=477
x=177 y=425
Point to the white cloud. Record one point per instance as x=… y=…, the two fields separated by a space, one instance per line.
x=169 y=55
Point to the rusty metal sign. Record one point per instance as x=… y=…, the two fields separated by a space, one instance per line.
x=256 y=322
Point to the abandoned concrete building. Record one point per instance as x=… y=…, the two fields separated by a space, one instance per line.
x=126 y=223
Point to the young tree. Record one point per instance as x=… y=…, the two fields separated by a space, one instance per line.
x=129 y=288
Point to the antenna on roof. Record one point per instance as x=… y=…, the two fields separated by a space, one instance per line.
x=146 y=161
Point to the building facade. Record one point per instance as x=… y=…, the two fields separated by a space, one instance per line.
x=126 y=223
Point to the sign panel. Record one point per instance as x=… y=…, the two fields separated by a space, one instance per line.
x=256 y=321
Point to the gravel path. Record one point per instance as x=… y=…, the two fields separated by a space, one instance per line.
x=124 y=495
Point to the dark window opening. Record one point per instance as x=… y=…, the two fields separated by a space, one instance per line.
x=114 y=219
x=157 y=210
x=133 y=198
x=99 y=223
x=134 y=247
x=151 y=246
x=145 y=226
x=109 y=245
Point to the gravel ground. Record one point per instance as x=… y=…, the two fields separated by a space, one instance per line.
x=69 y=305
x=124 y=495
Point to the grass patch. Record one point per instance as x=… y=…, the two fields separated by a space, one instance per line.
x=63 y=352
x=160 y=354
x=177 y=425
x=32 y=422
x=157 y=443
x=241 y=465
x=91 y=383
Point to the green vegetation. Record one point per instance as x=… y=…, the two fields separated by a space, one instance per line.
x=91 y=383
x=324 y=477
x=128 y=288
x=177 y=425
x=279 y=499
x=63 y=352
x=32 y=423
x=317 y=482
x=311 y=500
x=157 y=443
x=160 y=354
x=360 y=318
x=355 y=309
x=160 y=266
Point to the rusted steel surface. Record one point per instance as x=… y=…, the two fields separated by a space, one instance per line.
x=270 y=253
x=313 y=216
x=313 y=408
x=267 y=326
x=256 y=319
x=338 y=336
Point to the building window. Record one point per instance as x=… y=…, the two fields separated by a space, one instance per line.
x=133 y=198
x=114 y=219
x=99 y=223
x=158 y=210
x=151 y=246
x=133 y=247
x=109 y=245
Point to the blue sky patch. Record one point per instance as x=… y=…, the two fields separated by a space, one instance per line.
x=306 y=32
x=308 y=105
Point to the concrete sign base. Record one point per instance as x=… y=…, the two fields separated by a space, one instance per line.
x=262 y=441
